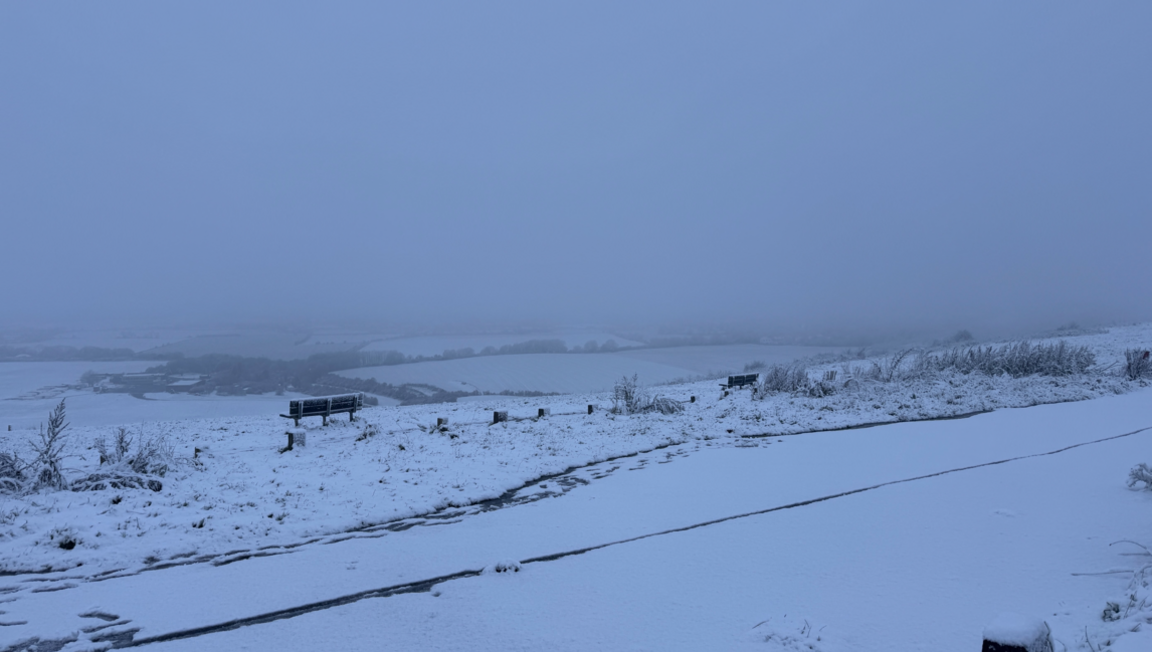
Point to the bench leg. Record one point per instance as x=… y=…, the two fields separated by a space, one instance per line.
x=325 y=419
x=351 y=416
x=297 y=420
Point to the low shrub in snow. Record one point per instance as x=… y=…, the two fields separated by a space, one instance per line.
x=46 y=471
x=1017 y=360
x=1137 y=364
x=886 y=369
x=64 y=538
x=128 y=469
x=628 y=397
x=12 y=479
x=153 y=456
x=1140 y=474
x=48 y=467
x=781 y=378
x=793 y=378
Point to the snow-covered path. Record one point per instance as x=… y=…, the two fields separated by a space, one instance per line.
x=919 y=565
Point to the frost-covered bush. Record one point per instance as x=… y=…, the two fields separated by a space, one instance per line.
x=794 y=379
x=628 y=397
x=1137 y=364
x=1140 y=474
x=153 y=456
x=826 y=386
x=12 y=479
x=665 y=405
x=781 y=378
x=1017 y=360
x=48 y=467
x=887 y=369
x=124 y=468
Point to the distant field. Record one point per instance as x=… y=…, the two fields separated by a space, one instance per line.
x=19 y=379
x=264 y=344
x=569 y=373
x=429 y=345
x=715 y=360
x=29 y=391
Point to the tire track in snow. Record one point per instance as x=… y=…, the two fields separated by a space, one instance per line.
x=423 y=586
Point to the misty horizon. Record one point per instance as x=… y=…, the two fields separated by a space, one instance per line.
x=866 y=170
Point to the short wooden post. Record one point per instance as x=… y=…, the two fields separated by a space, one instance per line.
x=291 y=440
x=499 y=417
x=543 y=412
x=441 y=422
x=589 y=409
x=691 y=399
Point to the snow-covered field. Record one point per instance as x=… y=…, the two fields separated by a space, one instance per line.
x=24 y=380
x=276 y=345
x=919 y=565
x=568 y=373
x=429 y=345
x=29 y=391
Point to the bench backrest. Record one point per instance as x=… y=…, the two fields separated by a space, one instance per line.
x=742 y=380
x=310 y=407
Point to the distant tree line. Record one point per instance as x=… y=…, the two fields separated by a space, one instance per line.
x=10 y=353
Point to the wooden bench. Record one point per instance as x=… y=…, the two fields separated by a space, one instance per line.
x=325 y=406
x=743 y=380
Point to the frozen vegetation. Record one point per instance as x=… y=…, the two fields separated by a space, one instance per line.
x=227 y=485
x=93 y=500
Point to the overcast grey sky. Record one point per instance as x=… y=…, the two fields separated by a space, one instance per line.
x=828 y=164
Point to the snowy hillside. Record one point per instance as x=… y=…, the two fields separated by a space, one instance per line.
x=231 y=493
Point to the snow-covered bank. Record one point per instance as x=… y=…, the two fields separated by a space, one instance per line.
x=924 y=564
x=240 y=492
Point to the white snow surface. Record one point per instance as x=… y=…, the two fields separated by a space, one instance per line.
x=243 y=529
x=567 y=373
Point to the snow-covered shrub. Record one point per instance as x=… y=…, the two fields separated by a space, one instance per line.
x=125 y=469
x=793 y=378
x=63 y=537
x=826 y=386
x=666 y=405
x=1141 y=473
x=153 y=456
x=115 y=480
x=12 y=480
x=628 y=397
x=47 y=468
x=780 y=378
x=1017 y=359
x=1137 y=364
x=885 y=370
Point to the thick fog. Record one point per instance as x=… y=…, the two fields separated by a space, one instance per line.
x=789 y=165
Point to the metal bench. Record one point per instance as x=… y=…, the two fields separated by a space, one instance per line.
x=743 y=380
x=325 y=406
